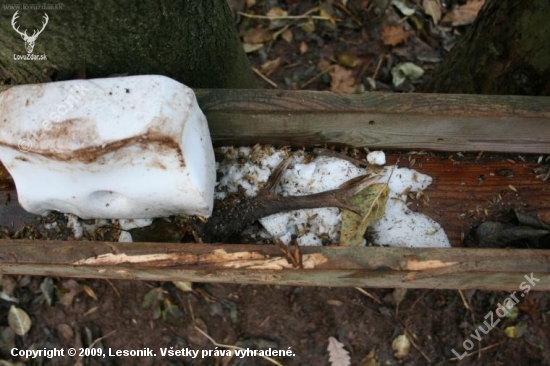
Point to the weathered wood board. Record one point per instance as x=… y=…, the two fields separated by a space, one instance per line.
x=442 y=122
x=466 y=190
x=456 y=268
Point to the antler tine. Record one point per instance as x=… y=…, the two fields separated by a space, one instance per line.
x=43 y=24
x=13 y=19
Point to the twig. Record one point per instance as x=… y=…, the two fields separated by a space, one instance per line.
x=336 y=154
x=113 y=286
x=280 y=31
x=409 y=335
x=367 y=294
x=328 y=69
x=481 y=350
x=346 y=10
x=224 y=345
x=377 y=68
x=466 y=305
x=268 y=80
x=96 y=342
x=303 y=16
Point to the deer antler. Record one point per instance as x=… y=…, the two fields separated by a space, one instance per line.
x=15 y=16
x=43 y=26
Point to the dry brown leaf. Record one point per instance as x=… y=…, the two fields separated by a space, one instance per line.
x=303 y=47
x=433 y=9
x=248 y=47
x=342 y=80
x=287 y=35
x=257 y=35
x=323 y=64
x=338 y=356
x=269 y=67
x=398 y=295
x=402 y=346
x=464 y=14
x=89 y=291
x=370 y=359
x=394 y=35
x=276 y=13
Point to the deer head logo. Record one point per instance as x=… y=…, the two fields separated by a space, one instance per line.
x=29 y=40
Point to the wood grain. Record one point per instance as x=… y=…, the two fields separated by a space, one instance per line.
x=365 y=267
x=443 y=122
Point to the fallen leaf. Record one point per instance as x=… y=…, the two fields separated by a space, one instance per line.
x=394 y=35
x=66 y=332
x=404 y=71
x=73 y=288
x=338 y=356
x=323 y=64
x=398 y=295
x=348 y=59
x=308 y=26
x=370 y=360
x=335 y=302
x=270 y=66
x=171 y=313
x=403 y=8
x=276 y=12
x=257 y=35
x=277 y=16
x=342 y=80
x=47 y=289
x=303 y=47
x=184 y=286
x=287 y=35
x=329 y=17
x=516 y=331
x=492 y=234
x=89 y=291
x=248 y=47
x=433 y=9
x=19 y=320
x=464 y=14
x=402 y=346
x=372 y=202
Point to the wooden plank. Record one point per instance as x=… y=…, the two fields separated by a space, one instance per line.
x=443 y=122
x=469 y=190
x=257 y=264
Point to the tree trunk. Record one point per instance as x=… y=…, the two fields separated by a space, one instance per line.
x=506 y=51
x=194 y=42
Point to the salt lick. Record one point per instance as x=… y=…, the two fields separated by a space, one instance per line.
x=120 y=148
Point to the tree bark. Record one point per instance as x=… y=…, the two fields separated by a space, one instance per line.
x=194 y=42
x=506 y=51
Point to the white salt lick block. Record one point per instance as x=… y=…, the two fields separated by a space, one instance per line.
x=125 y=148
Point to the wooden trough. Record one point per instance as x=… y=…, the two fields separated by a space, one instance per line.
x=467 y=189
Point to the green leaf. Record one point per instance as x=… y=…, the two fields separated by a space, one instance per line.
x=405 y=70
x=372 y=202
x=153 y=297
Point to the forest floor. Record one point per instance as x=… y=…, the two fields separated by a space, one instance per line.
x=362 y=46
